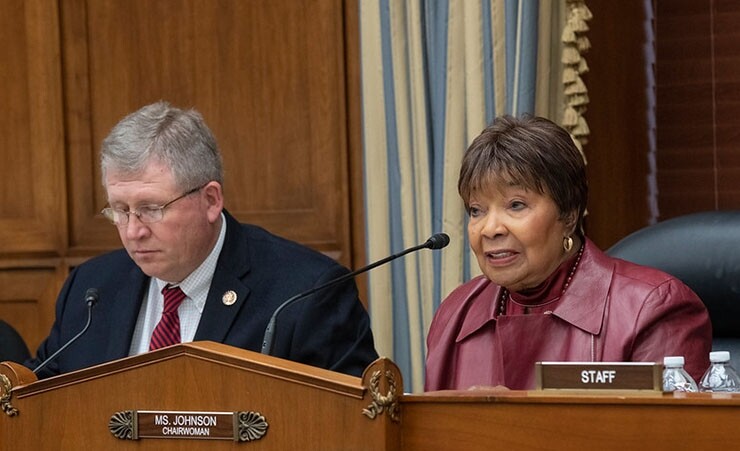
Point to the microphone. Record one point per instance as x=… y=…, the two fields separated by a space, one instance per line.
x=91 y=298
x=436 y=241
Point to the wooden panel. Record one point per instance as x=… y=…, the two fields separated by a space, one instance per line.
x=27 y=300
x=698 y=117
x=269 y=78
x=727 y=100
x=356 y=159
x=685 y=114
x=518 y=420
x=696 y=112
x=301 y=407
x=32 y=208
x=619 y=119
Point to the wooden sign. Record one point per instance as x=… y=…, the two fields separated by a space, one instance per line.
x=599 y=376
x=236 y=426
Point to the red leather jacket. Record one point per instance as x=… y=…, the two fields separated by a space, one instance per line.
x=612 y=311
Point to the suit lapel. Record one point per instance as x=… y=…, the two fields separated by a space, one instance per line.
x=233 y=263
x=124 y=312
x=218 y=316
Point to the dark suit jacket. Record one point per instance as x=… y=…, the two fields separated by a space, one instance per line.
x=330 y=329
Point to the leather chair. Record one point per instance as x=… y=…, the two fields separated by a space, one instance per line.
x=12 y=346
x=703 y=251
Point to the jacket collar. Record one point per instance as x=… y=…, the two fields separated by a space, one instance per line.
x=583 y=304
x=235 y=251
x=125 y=310
x=481 y=301
x=231 y=269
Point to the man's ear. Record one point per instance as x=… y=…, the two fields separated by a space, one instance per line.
x=215 y=199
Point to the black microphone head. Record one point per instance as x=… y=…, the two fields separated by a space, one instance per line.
x=91 y=296
x=438 y=241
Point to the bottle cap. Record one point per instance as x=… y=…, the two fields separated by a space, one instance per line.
x=676 y=360
x=719 y=356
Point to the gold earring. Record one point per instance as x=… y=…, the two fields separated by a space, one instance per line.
x=567 y=243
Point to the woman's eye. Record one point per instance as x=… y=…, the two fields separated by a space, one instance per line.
x=517 y=205
x=474 y=211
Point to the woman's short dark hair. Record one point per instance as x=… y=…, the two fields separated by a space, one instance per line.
x=532 y=152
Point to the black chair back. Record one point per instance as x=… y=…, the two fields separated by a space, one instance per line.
x=703 y=251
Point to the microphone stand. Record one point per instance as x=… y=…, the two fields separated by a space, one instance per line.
x=437 y=241
x=91 y=297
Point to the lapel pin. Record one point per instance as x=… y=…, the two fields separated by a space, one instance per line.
x=229 y=297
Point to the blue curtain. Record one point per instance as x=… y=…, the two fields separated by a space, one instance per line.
x=434 y=73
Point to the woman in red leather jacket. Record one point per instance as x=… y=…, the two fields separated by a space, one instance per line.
x=547 y=292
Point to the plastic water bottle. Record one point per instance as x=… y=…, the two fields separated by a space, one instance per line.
x=720 y=376
x=675 y=378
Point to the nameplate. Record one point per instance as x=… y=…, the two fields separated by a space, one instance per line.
x=599 y=376
x=140 y=424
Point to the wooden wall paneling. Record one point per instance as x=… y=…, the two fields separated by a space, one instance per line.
x=32 y=191
x=726 y=44
x=27 y=298
x=698 y=119
x=354 y=135
x=685 y=113
x=283 y=118
x=90 y=233
x=269 y=78
x=618 y=116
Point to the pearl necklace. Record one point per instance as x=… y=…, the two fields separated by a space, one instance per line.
x=505 y=297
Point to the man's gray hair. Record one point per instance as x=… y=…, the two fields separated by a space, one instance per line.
x=159 y=132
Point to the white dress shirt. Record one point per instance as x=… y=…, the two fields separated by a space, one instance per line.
x=195 y=286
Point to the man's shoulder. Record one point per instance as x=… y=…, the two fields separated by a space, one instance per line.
x=115 y=260
x=110 y=270
x=266 y=245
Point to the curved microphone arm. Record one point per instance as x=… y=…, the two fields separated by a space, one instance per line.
x=436 y=241
x=91 y=298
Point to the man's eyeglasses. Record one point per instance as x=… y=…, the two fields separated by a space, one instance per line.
x=147 y=214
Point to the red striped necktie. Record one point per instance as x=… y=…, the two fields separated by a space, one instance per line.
x=167 y=332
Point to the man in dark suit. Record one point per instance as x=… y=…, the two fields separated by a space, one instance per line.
x=189 y=271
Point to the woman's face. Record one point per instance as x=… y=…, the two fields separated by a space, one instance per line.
x=516 y=235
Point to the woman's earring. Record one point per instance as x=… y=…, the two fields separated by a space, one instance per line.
x=567 y=243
